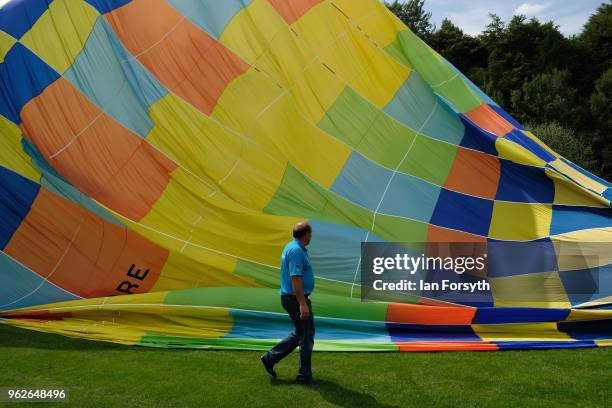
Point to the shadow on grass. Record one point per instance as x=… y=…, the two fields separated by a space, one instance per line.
x=336 y=394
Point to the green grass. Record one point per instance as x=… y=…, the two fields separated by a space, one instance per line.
x=108 y=375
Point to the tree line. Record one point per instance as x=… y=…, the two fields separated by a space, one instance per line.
x=559 y=87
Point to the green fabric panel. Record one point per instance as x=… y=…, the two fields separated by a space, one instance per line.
x=260 y=299
x=158 y=340
x=430 y=160
x=367 y=129
x=267 y=300
x=298 y=196
x=394 y=229
x=270 y=277
x=410 y=50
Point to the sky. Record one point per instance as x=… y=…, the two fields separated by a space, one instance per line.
x=473 y=15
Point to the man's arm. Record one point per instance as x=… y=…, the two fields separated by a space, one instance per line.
x=298 y=290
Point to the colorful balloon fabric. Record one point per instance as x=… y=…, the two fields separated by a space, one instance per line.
x=155 y=155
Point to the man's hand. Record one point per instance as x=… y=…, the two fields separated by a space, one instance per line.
x=304 y=311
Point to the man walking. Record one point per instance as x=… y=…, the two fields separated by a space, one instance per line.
x=297 y=283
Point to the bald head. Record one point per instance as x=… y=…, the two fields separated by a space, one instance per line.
x=302 y=231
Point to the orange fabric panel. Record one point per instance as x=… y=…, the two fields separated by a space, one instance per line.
x=419 y=314
x=474 y=173
x=138 y=33
x=95 y=153
x=447 y=346
x=188 y=61
x=485 y=117
x=293 y=10
x=82 y=253
x=440 y=234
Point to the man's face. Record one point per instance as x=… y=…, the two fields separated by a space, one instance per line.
x=306 y=238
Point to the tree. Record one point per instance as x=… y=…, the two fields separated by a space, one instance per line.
x=597 y=34
x=565 y=142
x=601 y=110
x=463 y=51
x=547 y=98
x=413 y=14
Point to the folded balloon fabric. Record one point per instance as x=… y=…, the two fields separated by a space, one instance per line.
x=154 y=156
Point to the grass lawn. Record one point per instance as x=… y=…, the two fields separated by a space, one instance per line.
x=107 y=375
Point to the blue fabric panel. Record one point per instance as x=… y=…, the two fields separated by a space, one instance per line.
x=211 y=16
x=17 y=194
x=501 y=315
x=54 y=182
x=18 y=16
x=591 y=330
x=105 y=6
x=519 y=345
x=257 y=325
x=587 y=285
x=364 y=182
x=476 y=138
x=416 y=106
x=410 y=197
x=20 y=287
x=522 y=139
x=361 y=181
x=506 y=116
x=335 y=252
x=23 y=76
x=568 y=219
x=520 y=258
x=463 y=213
x=608 y=194
x=423 y=332
x=524 y=184
x=115 y=81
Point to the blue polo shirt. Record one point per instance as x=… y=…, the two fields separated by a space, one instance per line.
x=294 y=262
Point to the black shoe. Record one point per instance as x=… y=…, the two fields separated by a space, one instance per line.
x=269 y=367
x=304 y=381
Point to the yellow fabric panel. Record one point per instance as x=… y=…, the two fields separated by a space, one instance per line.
x=520 y=221
x=244 y=99
x=543 y=289
x=12 y=155
x=242 y=169
x=517 y=153
x=315 y=91
x=586 y=315
x=244 y=34
x=371 y=71
x=188 y=212
x=61 y=32
x=286 y=62
x=580 y=255
x=604 y=343
x=520 y=332
x=588 y=235
x=569 y=193
x=70 y=305
x=307 y=147
x=6 y=43
x=578 y=177
x=374 y=18
x=78 y=328
x=187 y=271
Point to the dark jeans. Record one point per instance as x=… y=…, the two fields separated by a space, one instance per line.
x=302 y=336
